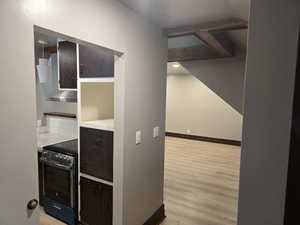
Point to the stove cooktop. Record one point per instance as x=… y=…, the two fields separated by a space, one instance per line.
x=66 y=147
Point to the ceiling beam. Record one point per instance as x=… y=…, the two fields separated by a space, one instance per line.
x=216 y=26
x=218 y=45
x=213 y=34
x=192 y=53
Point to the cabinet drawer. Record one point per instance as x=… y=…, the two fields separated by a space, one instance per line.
x=96 y=153
x=96 y=203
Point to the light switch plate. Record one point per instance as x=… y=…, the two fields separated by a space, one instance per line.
x=138 y=137
x=155 y=132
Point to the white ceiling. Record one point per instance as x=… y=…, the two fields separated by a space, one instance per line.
x=172 y=13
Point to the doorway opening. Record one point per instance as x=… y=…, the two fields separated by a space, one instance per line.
x=75 y=96
x=204 y=125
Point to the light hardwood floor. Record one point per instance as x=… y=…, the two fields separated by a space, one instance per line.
x=201 y=183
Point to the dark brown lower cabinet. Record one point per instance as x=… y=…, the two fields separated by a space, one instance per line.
x=96 y=203
x=96 y=153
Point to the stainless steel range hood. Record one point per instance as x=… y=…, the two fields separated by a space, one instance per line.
x=64 y=96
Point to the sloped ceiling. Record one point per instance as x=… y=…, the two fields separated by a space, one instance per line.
x=172 y=13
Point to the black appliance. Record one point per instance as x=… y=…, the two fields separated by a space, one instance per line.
x=59 y=180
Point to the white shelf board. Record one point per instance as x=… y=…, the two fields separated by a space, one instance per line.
x=96 y=179
x=97 y=80
x=107 y=124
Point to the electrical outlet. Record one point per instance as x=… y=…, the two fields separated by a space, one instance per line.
x=138 y=137
x=155 y=132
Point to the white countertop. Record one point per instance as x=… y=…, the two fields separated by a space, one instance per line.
x=107 y=124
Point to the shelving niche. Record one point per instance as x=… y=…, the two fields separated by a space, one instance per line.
x=98 y=71
x=97 y=105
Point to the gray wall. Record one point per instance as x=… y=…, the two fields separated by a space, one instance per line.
x=207 y=100
x=225 y=77
x=270 y=75
x=138 y=186
x=193 y=107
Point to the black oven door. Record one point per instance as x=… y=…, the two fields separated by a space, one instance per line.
x=58 y=184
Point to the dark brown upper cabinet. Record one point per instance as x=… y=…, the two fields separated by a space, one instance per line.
x=67 y=65
x=95 y=62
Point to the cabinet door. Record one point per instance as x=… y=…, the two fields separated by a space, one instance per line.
x=67 y=65
x=96 y=203
x=96 y=153
x=95 y=62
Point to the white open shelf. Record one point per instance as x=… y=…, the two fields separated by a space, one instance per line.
x=97 y=105
x=97 y=80
x=106 y=124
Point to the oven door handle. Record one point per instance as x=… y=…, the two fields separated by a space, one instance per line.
x=57 y=165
